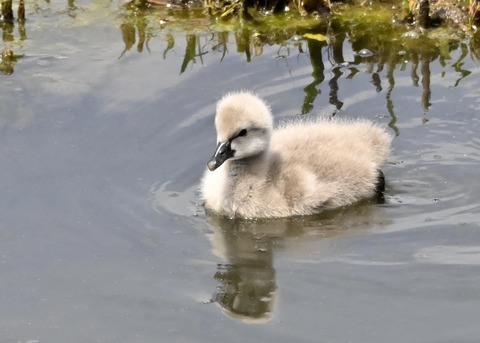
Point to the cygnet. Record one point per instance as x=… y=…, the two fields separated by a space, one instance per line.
x=300 y=168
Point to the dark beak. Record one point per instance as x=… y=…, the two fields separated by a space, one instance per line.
x=222 y=153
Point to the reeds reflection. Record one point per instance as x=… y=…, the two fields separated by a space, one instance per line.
x=394 y=47
x=247 y=287
x=7 y=24
x=391 y=48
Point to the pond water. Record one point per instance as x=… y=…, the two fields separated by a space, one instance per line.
x=106 y=124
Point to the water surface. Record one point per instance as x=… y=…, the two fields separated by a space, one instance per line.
x=103 y=141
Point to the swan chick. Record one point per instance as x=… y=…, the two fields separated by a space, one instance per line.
x=300 y=168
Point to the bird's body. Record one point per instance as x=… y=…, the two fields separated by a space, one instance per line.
x=300 y=168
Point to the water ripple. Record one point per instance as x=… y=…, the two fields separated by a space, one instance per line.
x=452 y=255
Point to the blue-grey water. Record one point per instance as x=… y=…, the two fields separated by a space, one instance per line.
x=103 y=237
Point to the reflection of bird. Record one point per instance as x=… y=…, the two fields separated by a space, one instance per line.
x=298 y=169
x=246 y=279
x=247 y=285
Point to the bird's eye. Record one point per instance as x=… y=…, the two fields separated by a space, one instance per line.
x=242 y=133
